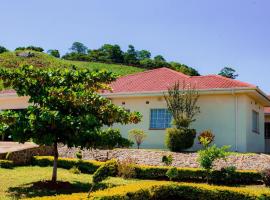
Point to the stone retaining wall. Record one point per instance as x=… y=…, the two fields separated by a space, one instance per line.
x=24 y=156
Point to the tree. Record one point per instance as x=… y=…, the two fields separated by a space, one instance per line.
x=78 y=47
x=65 y=107
x=160 y=62
x=3 y=49
x=111 y=54
x=130 y=57
x=159 y=58
x=138 y=136
x=54 y=53
x=143 y=54
x=228 y=73
x=184 y=69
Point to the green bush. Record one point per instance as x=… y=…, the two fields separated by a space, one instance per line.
x=104 y=171
x=195 y=174
x=126 y=168
x=179 y=139
x=8 y=164
x=161 y=190
x=167 y=160
x=208 y=155
x=172 y=173
x=67 y=163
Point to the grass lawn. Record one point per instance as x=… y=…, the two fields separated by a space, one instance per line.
x=21 y=182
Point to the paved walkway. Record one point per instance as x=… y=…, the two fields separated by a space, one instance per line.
x=15 y=146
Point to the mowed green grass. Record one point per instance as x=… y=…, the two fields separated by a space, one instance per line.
x=19 y=183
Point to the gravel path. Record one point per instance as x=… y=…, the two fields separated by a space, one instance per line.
x=153 y=157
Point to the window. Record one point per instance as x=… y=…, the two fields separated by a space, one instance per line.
x=267 y=130
x=160 y=119
x=255 y=121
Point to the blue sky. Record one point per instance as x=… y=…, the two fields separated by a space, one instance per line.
x=204 y=34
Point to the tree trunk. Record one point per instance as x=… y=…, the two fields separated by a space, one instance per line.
x=3 y=136
x=54 y=174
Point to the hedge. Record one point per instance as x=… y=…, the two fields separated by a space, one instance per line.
x=156 y=172
x=198 y=175
x=162 y=190
x=85 y=166
x=8 y=164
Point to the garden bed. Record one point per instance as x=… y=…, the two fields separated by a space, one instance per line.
x=248 y=161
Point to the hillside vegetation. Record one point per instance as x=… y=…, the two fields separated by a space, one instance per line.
x=38 y=59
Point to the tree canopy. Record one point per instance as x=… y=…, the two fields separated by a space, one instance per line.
x=228 y=73
x=66 y=107
x=3 y=49
x=54 y=53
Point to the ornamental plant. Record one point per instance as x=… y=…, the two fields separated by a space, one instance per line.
x=206 y=138
x=138 y=136
x=182 y=104
x=65 y=107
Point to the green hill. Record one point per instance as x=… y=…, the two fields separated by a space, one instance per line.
x=39 y=59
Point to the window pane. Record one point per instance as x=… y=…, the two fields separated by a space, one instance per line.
x=160 y=118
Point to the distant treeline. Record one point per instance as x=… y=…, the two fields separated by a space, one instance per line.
x=113 y=54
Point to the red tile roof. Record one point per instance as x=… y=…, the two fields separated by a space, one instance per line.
x=162 y=78
x=267 y=110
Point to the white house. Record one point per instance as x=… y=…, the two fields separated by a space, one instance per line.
x=235 y=111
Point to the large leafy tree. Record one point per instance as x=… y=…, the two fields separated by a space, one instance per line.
x=3 y=49
x=228 y=73
x=78 y=47
x=130 y=56
x=54 y=53
x=65 y=107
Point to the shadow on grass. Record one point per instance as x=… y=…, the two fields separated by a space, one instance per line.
x=46 y=188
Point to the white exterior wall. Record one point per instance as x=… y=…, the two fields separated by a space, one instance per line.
x=228 y=116
x=255 y=141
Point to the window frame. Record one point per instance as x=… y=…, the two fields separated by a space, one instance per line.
x=257 y=129
x=150 y=119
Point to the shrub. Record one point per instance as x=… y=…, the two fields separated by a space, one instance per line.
x=167 y=160
x=172 y=173
x=266 y=176
x=179 y=139
x=153 y=190
x=79 y=154
x=210 y=154
x=138 y=136
x=226 y=175
x=104 y=171
x=8 y=164
x=84 y=166
x=126 y=168
x=75 y=170
x=206 y=138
